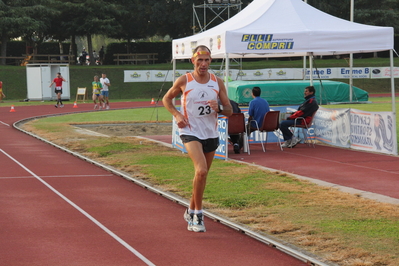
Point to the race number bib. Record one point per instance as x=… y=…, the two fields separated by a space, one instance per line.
x=201 y=109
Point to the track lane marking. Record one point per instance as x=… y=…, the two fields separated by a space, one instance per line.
x=1 y=122
x=51 y=176
x=91 y=218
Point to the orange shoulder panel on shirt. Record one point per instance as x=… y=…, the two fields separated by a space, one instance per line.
x=189 y=77
x=213 y=77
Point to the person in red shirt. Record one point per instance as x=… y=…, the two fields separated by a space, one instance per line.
x=58 y=89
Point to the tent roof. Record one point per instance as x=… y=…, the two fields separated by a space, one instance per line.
x=278 y=28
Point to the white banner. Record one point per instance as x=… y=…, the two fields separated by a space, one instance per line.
x=384 y=72
x=372 y=131
x=356 y=129
x=332 y=126
x=266 y=74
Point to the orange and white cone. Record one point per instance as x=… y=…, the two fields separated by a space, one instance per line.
x=75 y=105
x=152 y=101
x=12 y=108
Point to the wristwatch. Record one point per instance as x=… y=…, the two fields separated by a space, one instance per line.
x=220 y=108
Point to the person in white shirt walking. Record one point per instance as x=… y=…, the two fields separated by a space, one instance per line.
x=105 y=92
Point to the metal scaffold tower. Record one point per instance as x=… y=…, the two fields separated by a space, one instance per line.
x=219 y=11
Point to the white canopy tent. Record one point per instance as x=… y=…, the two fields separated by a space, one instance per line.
x=287 y=28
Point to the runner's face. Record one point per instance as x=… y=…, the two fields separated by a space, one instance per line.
x=201 y=63
x=307 y=93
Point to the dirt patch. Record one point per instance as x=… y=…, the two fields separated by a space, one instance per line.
x=134 y=129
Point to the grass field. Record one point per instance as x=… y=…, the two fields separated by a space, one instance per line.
x=340 y=227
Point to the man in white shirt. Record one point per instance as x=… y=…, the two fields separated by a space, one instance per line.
x=105 y=92
x=197 y=121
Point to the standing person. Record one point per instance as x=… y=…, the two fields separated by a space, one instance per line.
x=97 y=87
x=258 y=107
x=58 y=89
x=101 y=54
x=305 y=110
x=105 y=92
x=84 y=56
x=197 y=121
x=2 y=95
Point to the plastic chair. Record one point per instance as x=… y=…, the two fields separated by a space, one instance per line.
x=236 y=125
x=271 y=123
x=305 y=128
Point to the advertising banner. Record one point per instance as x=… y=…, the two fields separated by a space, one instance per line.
x=266 y=74
x=372 y=131
x=384 y=72
x=332 y=126
x=356 y=129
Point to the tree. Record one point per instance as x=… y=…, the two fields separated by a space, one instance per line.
x=133 y=20
x=85 y=18
x=20 y=18
x=378 y=13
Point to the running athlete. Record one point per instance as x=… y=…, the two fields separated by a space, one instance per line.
x=58 y=89
x=105 y=91
x=97 y=87
x=197 y=121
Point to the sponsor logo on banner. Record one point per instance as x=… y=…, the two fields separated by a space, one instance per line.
x=135 y=75
x=356 y=72
x=384 y=72
x=258 y=73
x=183 y=51
x=266 y=42
x=219 y=42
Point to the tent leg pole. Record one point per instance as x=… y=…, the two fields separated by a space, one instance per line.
x=227 y=74
x=394 y=137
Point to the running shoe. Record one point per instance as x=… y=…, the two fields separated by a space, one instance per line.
x=107 y=107
x=286 y=143
x=189 y=219
x=294 y=142
x=198 y=223
x=62 y=105
x=56 y=106
x=95 y=106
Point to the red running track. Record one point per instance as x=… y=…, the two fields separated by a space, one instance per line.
x=57 y=209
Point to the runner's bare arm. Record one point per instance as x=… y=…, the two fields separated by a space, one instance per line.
x=176 y=89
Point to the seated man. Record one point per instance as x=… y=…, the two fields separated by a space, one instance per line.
x=305 y=110
x=258 y=107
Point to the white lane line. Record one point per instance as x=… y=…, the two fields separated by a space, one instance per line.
x=117 y=238
x=58 y=176
x=1 y=122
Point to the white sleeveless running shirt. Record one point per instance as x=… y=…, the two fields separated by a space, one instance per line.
x=201 y=117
